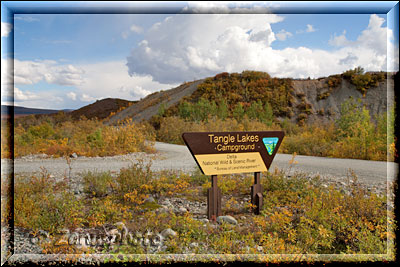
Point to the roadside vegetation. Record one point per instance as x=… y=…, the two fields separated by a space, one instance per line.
x=354 y=135
x=83 y=137
x=301 y=215
x=254 y=101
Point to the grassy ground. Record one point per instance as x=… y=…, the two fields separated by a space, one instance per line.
x=300 y=215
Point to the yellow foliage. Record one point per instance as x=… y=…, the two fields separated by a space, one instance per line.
x=84 y=137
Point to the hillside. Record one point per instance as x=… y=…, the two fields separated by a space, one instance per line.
x=101 y=109
x=299 y=100
x=307 y=110
x=150 y=105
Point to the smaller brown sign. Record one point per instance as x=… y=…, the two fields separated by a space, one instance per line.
x=233 y=152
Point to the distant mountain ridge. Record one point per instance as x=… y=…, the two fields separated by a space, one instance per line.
x=24 y=111
x=100 y=109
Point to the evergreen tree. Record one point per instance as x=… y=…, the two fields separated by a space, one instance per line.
x=238 y=112
x=268 y=114
x=223 y=111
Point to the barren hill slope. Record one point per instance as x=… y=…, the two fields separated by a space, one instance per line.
x=376 y=98
x=150 y=105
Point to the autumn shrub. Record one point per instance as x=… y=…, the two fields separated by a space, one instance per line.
x=323 y=95
x=290 y=128
x=334 y=81
x=300 y=216
x=198 y=178
x=109 y=209
x=171 y=129
x=6 y=127
x=363 y=81
x=137 y=182
x=131 y=179
x=41 y=203
x=315 y=140
x=358 y=136
x=97 y=184
x=323 y=219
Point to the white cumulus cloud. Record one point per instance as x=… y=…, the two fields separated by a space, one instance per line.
x=138 y=91
x=133 y=29
x=90 y=81
x=226 y=7
x=71 y=95
x=310 y=28
x=87 y=98
x=340 y=40
x=31 y=72
x=282 y=35
x=43 y=99
x=111 y=79
x=187 y=47
x=24 y=95
x=136 y=28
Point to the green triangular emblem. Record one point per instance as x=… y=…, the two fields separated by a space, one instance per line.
x=270 y=144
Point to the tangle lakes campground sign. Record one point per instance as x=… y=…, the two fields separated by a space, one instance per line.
x=219 y=153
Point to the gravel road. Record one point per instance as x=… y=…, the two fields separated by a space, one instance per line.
x=178 y=157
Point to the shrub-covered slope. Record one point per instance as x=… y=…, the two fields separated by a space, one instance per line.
x=299 y=100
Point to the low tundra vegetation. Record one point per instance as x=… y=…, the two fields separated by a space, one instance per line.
x=84 y=137
x=301 y=215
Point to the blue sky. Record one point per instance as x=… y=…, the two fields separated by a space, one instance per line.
x=71 y=60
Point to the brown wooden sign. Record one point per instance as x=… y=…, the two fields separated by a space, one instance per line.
x=233 y=152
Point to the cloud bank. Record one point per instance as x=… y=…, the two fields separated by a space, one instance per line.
x=188 y=47
x=31 y=72
x=85 y=83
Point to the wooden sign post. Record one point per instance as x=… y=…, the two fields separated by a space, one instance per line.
x=256 y=193
x=219 y=153
x=214 y=200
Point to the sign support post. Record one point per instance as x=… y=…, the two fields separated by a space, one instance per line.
x=256 y=193
x=214 y=199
